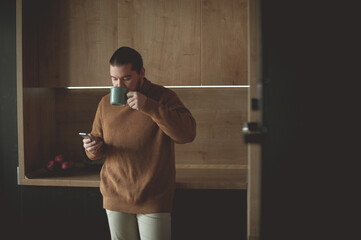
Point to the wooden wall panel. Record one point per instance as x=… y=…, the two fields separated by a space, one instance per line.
x=76 y=41
x=30 y=27
x=216 y=159
x=182 y=42
x=220 y=114
x=39 y=127
x=75 y=112
x=167 y=34
x=198 y=178
x=224 y=42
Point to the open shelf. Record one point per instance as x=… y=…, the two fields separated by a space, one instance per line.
x=217 y=159
x=75 y=177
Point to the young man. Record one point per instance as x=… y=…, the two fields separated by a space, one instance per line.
x=137 y=180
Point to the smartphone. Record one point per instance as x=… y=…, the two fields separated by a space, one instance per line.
x=85 y=135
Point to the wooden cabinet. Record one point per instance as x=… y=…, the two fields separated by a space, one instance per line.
x=186 y=46
x=68 y=43
x=183 y=43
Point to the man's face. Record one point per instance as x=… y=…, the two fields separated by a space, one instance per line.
x=124 y=76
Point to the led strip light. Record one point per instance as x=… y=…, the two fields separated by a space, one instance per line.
x=206 y=86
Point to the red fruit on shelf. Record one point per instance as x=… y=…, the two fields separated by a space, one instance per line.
x=50 y=165
x=59 y=158
x=66 y=165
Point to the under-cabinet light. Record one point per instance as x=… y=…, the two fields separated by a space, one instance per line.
x=97 y=87
x=205 y=86
x=210 y=86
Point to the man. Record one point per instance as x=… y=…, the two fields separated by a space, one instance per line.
x=137 y=180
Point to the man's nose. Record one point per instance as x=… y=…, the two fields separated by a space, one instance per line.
x=116 y=83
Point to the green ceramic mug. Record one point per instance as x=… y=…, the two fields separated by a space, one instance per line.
x=118 y=96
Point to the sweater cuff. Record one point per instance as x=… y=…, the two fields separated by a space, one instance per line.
x=92 y=156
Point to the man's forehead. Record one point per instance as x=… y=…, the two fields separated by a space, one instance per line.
x=123 y=66
x=121 y=69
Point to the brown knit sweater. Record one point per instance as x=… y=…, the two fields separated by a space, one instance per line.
x=138 y=175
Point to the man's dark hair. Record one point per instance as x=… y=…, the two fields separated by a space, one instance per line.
x=126 y=55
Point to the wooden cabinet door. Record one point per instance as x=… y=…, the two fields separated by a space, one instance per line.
x=68 y=43
x=167 y=35
x=224 y=53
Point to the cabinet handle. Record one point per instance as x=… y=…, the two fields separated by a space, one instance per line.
x=252 y=132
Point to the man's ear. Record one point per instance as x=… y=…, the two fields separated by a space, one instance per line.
x=142 y=72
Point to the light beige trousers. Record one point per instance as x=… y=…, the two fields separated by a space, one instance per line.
x=126 y=226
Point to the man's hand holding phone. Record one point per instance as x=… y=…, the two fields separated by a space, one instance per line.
x=91 y=144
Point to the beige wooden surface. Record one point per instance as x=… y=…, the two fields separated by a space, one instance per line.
x=69 y=43
x=211 y=178
x=167 y=34
x=224 y=42
x=254 y=162
x=219 y=113
x=75 y=40
x=19 y=89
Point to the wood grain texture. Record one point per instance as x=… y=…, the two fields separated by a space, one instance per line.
x=75 y=112
x=29 y=38
x=254 y=162
x=39 y=127
x=76 y=41
x=224 y=42
x=211 y=178
x=211 y=166
x=188 y=42
x=167 y=35
x=19 y=88
x=220 y=114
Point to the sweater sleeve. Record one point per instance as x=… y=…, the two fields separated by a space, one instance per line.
x=97 y=131
x=172 y=117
